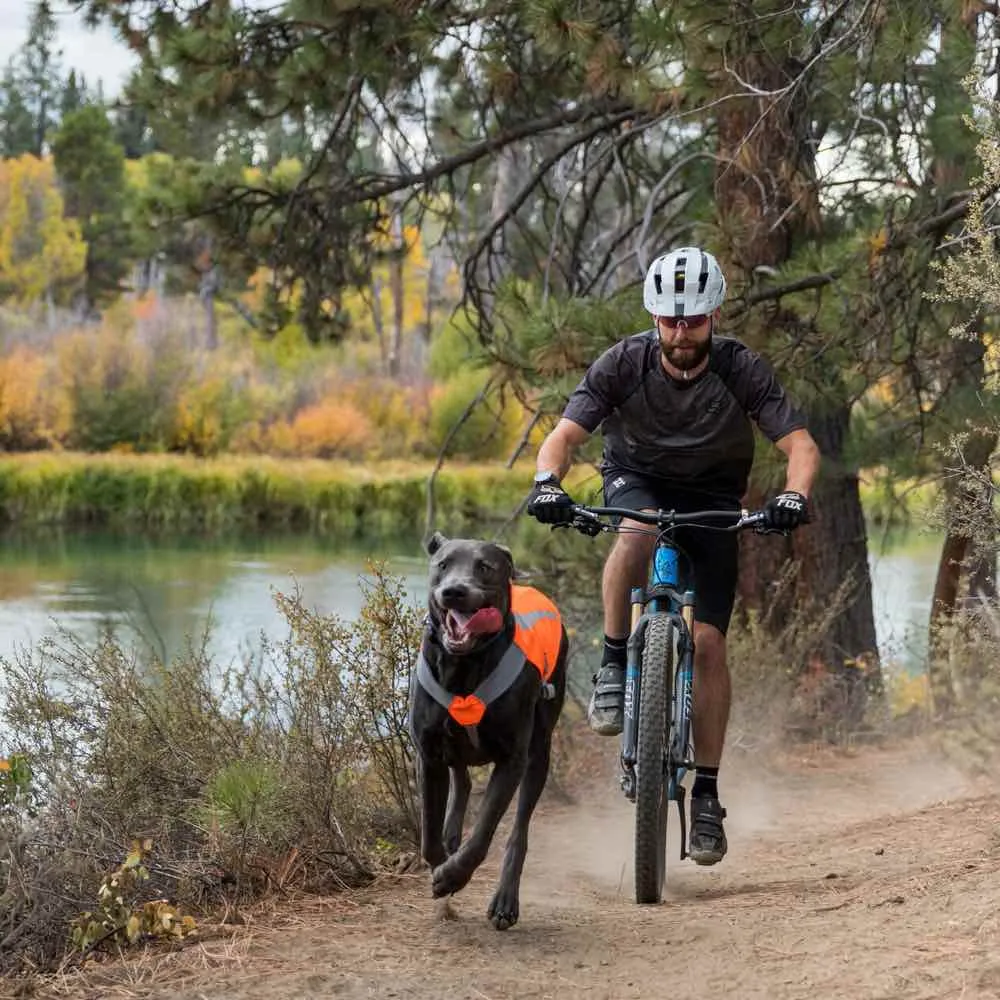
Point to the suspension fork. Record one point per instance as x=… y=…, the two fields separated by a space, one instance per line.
x=633 y=662
x=680 y=730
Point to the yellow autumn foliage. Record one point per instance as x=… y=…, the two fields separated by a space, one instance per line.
x=42 y=253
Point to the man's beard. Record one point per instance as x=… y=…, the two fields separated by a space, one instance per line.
x=686 y=358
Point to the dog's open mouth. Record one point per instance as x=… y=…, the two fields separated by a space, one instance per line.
x=463 y=629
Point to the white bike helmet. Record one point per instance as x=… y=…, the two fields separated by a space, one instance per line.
x=684 y=282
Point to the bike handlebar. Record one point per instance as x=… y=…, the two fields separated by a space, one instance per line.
x=586 y=518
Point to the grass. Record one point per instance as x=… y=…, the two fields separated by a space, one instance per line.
x=182 y=492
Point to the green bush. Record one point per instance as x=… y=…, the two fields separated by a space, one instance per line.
x=488 y=431
x=455 y=348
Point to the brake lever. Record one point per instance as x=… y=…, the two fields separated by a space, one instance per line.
x=762 y=529
x=584 y=525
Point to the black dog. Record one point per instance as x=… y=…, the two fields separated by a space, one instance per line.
x=477 y=698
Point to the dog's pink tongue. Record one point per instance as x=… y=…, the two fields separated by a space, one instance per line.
x=484 y=621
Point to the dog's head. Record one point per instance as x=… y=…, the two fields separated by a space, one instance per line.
x=469 y=590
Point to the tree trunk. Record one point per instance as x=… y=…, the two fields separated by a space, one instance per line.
x=379 y=323
x=396 y=263
x=958 y=558
x=953 y=153
x=767 y=199
x=208 y=292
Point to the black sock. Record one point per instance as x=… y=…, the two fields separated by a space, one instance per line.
x=706 y=783
x=615 y=651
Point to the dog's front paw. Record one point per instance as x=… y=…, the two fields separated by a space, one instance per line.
x=449 y=877
x=433 y=854
x=504 y=908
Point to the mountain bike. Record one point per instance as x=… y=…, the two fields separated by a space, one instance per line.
x=656 y=749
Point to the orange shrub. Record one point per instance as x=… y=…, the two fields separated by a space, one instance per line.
x=29 y=412
x=325 y=430
x=398 y=413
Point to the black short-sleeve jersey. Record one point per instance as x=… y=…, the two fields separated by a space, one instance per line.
x=694 y=434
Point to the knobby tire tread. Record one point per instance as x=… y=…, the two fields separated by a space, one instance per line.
x=655 y=687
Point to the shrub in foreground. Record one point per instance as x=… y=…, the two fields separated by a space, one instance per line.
x=291 y=768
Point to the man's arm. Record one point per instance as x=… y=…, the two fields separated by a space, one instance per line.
x=803 y=460
x=556 y=451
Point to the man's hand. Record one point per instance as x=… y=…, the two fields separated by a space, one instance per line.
x=550 y=503
x=786 y=511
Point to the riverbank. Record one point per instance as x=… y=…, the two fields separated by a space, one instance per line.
x=332 y=498
x=339 y=499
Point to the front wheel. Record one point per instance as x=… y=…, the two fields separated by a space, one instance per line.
x=655 y=684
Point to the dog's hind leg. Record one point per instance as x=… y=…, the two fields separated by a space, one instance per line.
x=458 y=800
x=503 y=910
x=433 y=784
x=455 y=873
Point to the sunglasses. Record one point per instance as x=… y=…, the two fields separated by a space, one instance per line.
x=672 y=322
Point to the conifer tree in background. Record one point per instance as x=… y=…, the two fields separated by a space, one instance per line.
x=91 y=170
x=41 y=81
x=17 y=130
x=74 y=95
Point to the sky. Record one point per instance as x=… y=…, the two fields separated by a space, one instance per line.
x=97 y=54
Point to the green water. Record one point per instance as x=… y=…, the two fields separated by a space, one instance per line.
x=159 y=591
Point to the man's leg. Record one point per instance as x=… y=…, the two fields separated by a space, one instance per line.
x=712 y=694
x=715 y=584
x=624 y=569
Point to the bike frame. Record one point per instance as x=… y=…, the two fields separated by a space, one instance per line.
x=663 y=595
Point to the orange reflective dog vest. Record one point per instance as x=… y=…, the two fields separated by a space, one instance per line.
x=537 y=640
x=537 y=628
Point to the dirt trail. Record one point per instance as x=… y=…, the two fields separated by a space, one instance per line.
x=865 y=877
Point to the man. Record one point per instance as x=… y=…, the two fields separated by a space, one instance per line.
x=675 y=405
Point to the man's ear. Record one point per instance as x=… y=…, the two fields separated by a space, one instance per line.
x=434 y=543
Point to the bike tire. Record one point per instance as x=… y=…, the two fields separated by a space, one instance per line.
x=655 y=687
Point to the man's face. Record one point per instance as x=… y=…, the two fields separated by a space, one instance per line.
x=686 y=341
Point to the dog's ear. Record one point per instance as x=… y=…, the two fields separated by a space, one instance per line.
x=434 y=543
x=504 y=551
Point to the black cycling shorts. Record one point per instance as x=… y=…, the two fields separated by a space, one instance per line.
x=711 y=557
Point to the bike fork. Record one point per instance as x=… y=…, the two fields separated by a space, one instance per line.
x=680 y=736
x=630 y=730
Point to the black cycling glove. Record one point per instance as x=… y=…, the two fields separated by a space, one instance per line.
x=786 y=511
x=550 y=503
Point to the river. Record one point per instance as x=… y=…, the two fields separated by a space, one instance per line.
x=162 y=590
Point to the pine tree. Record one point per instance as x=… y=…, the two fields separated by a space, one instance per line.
x=74 y=95
x=91 y=170
x=132 y=130
x=41 y=73
x=17 y=133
